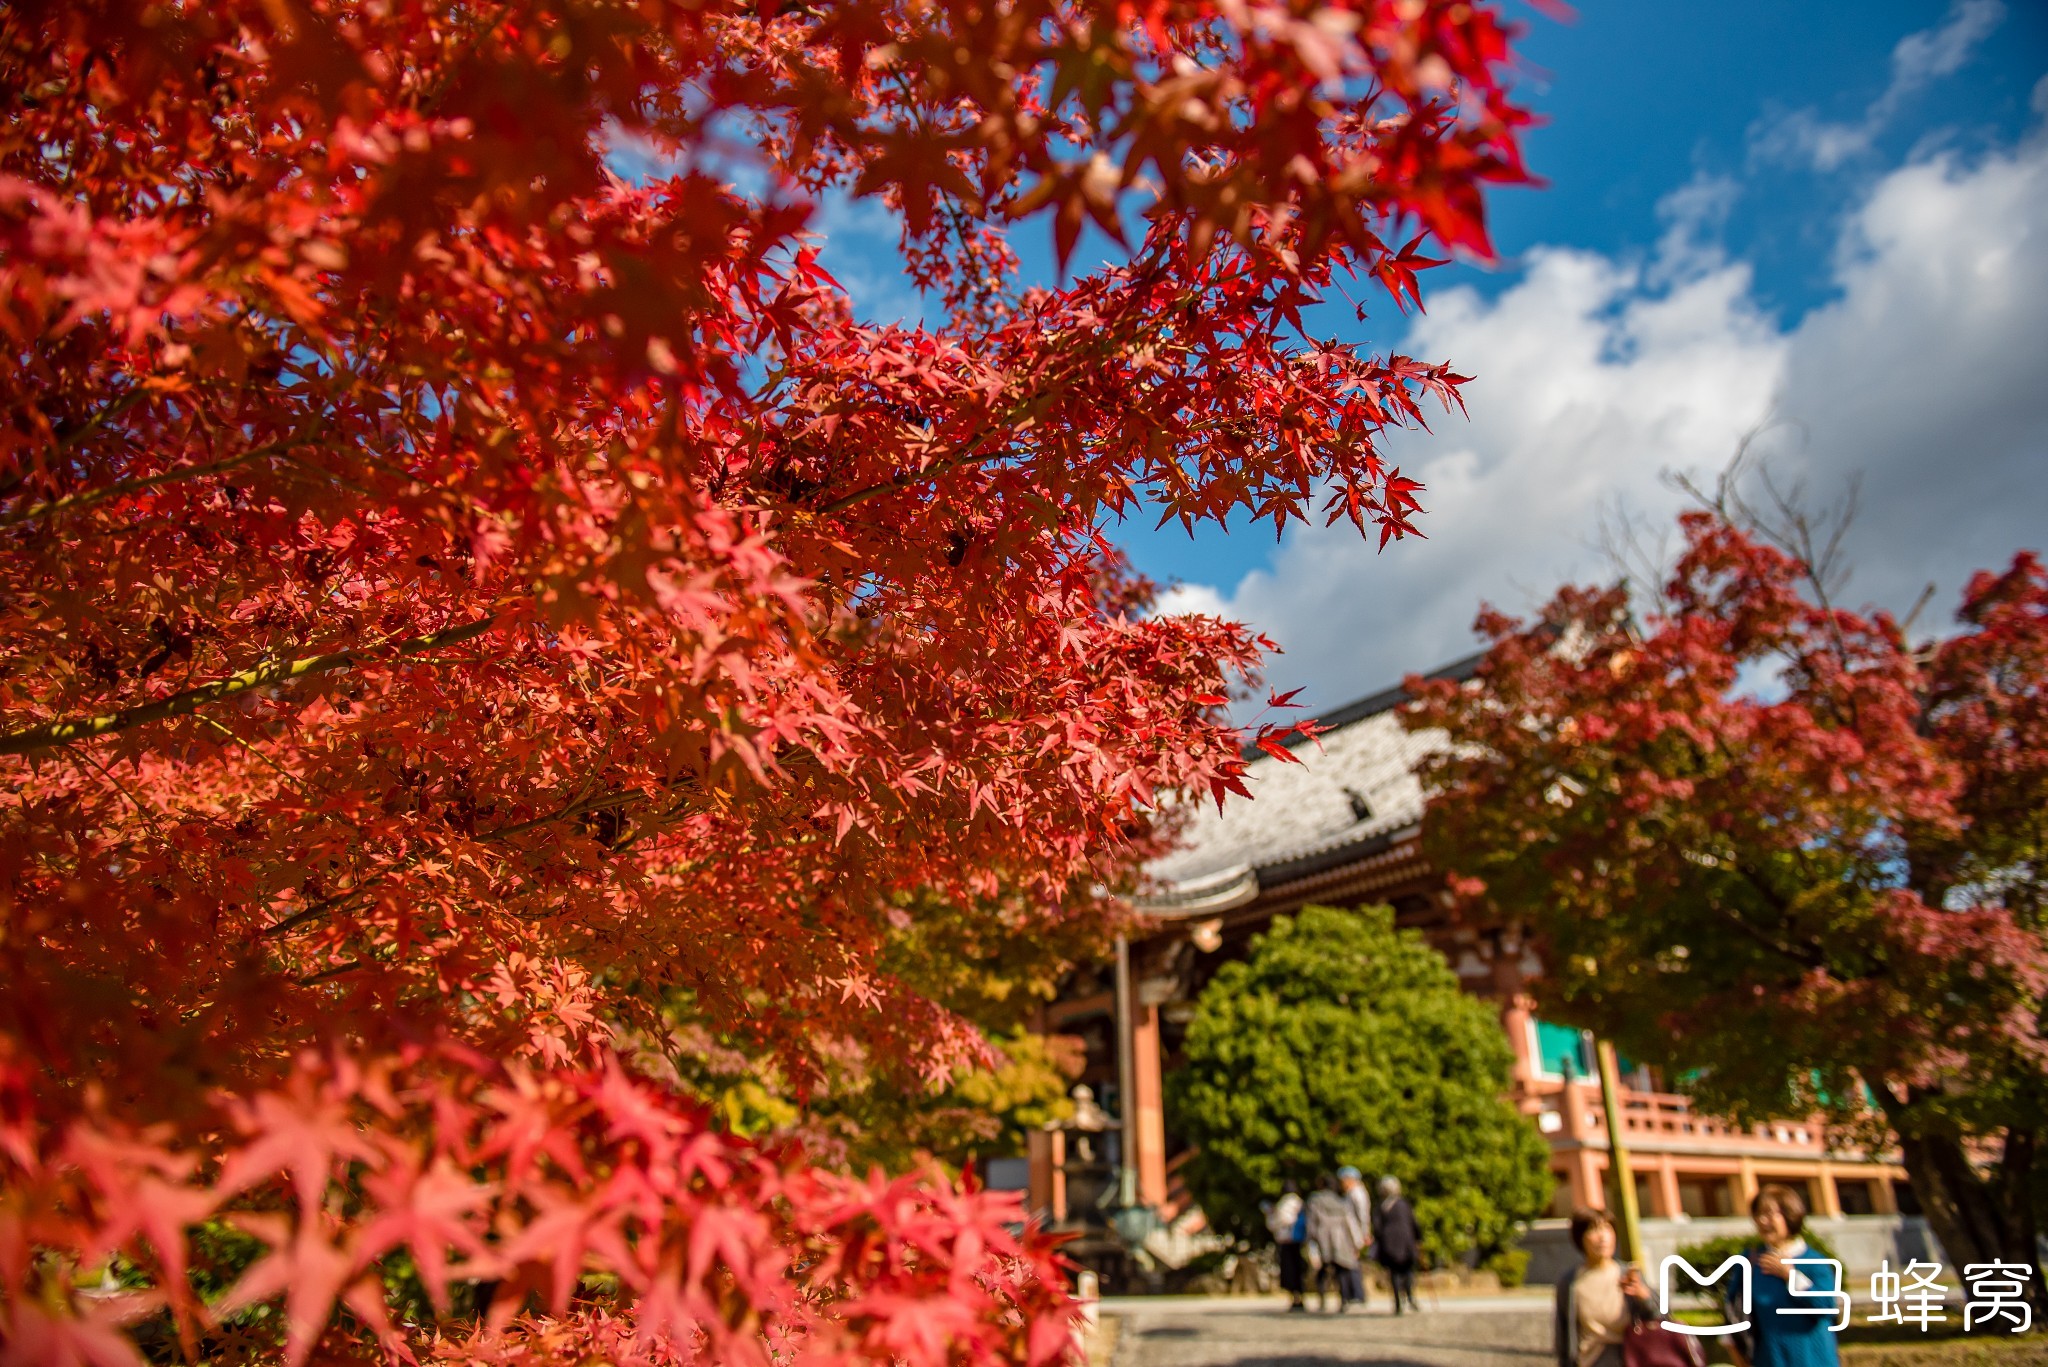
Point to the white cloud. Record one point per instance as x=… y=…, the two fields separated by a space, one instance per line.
x=1693 y=216
x=1919 y=59
x=1932 y=53
x=1925 y=374
x=1192 y=600
x=859 y=245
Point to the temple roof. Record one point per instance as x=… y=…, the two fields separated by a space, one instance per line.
x=1352 y=795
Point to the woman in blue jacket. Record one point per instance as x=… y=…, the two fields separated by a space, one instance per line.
x=1800 y=1338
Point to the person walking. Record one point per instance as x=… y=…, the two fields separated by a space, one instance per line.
x=1396 y=1241
x=1336 y=1236
x=1359 y=1199
x=1799 y=1339
x=1601 y=1301
x=1287 y=1222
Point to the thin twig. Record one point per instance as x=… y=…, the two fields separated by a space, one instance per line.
x=326 y=973
x=148 y=813
x=281 y=771
x=313 y=910
x=1919 y=605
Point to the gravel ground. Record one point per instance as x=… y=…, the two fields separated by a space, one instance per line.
x=1511 y=1330
x=1504 y=1331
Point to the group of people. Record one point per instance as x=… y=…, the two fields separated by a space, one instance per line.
x=1339 y=1224
x=1336 y=1227
x=1604 y=1300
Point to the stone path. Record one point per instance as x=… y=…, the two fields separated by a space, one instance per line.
x=1502 y=1331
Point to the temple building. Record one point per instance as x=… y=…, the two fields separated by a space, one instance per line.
x=1342 y=828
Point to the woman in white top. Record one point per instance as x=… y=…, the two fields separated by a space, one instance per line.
x=1286 y=1221
x=1597 y=1304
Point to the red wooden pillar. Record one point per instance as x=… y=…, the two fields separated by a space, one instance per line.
x=1148 y=1106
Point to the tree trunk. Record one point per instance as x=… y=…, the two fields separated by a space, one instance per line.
x=2016 y=1171
x=1979 y=1216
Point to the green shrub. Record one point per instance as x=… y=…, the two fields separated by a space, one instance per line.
x=1340 y=1040
x=1511 y=1265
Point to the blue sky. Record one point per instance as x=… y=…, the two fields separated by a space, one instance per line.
x=1639 y=99
x=1828 y=219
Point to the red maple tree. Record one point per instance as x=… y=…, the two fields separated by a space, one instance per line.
x=454 y=601
x=1770 y=846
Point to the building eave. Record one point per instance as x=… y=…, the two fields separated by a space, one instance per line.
x=1224 y=890
x=1244 y=884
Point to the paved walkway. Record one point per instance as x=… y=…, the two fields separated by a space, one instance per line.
x=1496 y=1331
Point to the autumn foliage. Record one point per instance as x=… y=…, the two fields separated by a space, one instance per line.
x=1768 y=844
x=456 y=604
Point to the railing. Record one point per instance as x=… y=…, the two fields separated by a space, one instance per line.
x=1665 y=1116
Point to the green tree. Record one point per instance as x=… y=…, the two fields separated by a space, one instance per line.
x=853 y=1107
x=858 y=1113
x=1342 y=1040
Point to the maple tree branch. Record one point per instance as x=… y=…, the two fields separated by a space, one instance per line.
x=86 y=498
x=321 y=907
x=622 y=797
x=67 y=440
x=1758 y=937
x=50 y=735
x=84 y=429
x=1790 y=528
x=906 y=479
x=650 y=826
x=1028 y=409
x=325 y=974
x=1814 y=958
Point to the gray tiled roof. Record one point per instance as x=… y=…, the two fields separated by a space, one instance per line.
x=1298 y=811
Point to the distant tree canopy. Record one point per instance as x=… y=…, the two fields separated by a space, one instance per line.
x=1781 y=851
x=856 y=1108
x=1342 y=1040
